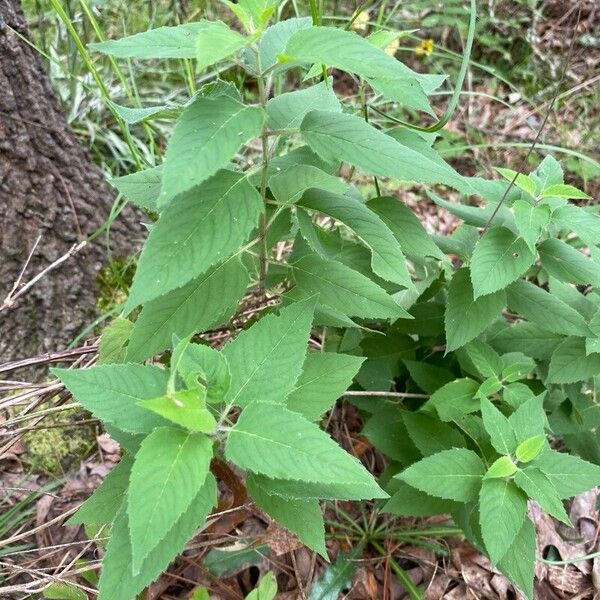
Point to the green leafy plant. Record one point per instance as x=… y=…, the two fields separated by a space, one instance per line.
x=481 y=340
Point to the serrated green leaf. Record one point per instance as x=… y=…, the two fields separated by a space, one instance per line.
x=286 y=111
x=466 y=317
x=529 y=419
x=584 y=223
x=428 y=377
x=523 y=182
x=167 y=474
x=530 y=338
x=271 y=440
x=501 y=467
x=301 y=517
x=516 y=366
x=203 y=227
x=545 y=309
x=567 y=264
x=561 y=190
x=498 y=426
x=113 y=340
x=345 y=289
x=518 y=563
x=570 y=475
x=453 y=474
x=141 y=188
x=103 y=505
x=131 y=116
x=348 y=51
x=410 y=502
x=184 y=407
x=484 y=358
x=111 y=393
x=63 y=590
x=338 y=136
x=430 y=435
x=288 y=186
x=571 y=363
x=200 y=304
x=266 y=360
x=539 y=488
x=499 y=258
x=117 y=581
x=215 y=43
x=387 y=260
x=456 y=396
x=529 y=449
x=336 y=577
x=406 y=227
x=275 y=39
x=325 y=377
x=205 y=365
x=502 y=508
x=207 y=135
x=178 y=41
x=531 y=220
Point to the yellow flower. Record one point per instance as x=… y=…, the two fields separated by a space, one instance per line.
x=361 y=22
x=425 y=48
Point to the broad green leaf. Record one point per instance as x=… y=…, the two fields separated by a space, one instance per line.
x=344 y=289
x=111 y=393
x=529 y=449
x=523 y=182
x=517 y=366
x=529 y=419
x=467 y=317
x=63 y=590
x=275 y=39
x=266 y=360
x=570 y=475
x=410 y=502
x=205 y=365
x=266 y=590
x=453 y=474
x=584 y=223
x=550 y=172
x=531 y=220
x=458 y=395
x=561 y=190
x=271 y=440
x=498 y=426
x=571 y=363
x=406 y=227
x=216 y=42
x=325 y=377
x=539 y=488
x=567 y=264
x=294 y=489
x=203 y=227
x=207 y=135
x=286 y=111
x=178 y=41
x=547 y=310
x=347 y=51
x=112 y=342
x=427 y=376
x=301 y=517
x=227 y=561
x=167 y=474
x=592 y=346
x=289 y=185
x=141 y=188
x=518 y=563
x=498 y=259
x=530 y=338
x=501 y=467
x=338 y=136
x=184 y=407
x=336 y=577
x=387 y=260
x=430 y=435
x=103 y=505
x=502 y=508
x=200 y=304
x=117 y=581
x=484 y=358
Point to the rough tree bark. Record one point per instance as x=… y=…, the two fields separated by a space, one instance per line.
x=49 y=187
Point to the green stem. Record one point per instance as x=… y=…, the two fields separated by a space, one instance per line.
x=400 y=573
x=263 y=226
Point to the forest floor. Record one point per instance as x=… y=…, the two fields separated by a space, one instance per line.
x=52 y=458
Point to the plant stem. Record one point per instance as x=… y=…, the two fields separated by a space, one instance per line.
x=400 y=573
x=263 y=227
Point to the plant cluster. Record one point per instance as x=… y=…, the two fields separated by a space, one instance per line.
x=496 y=327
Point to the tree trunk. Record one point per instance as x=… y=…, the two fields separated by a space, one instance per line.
x=49 y=188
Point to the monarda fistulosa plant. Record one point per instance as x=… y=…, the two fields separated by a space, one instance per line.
x=493 y=331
